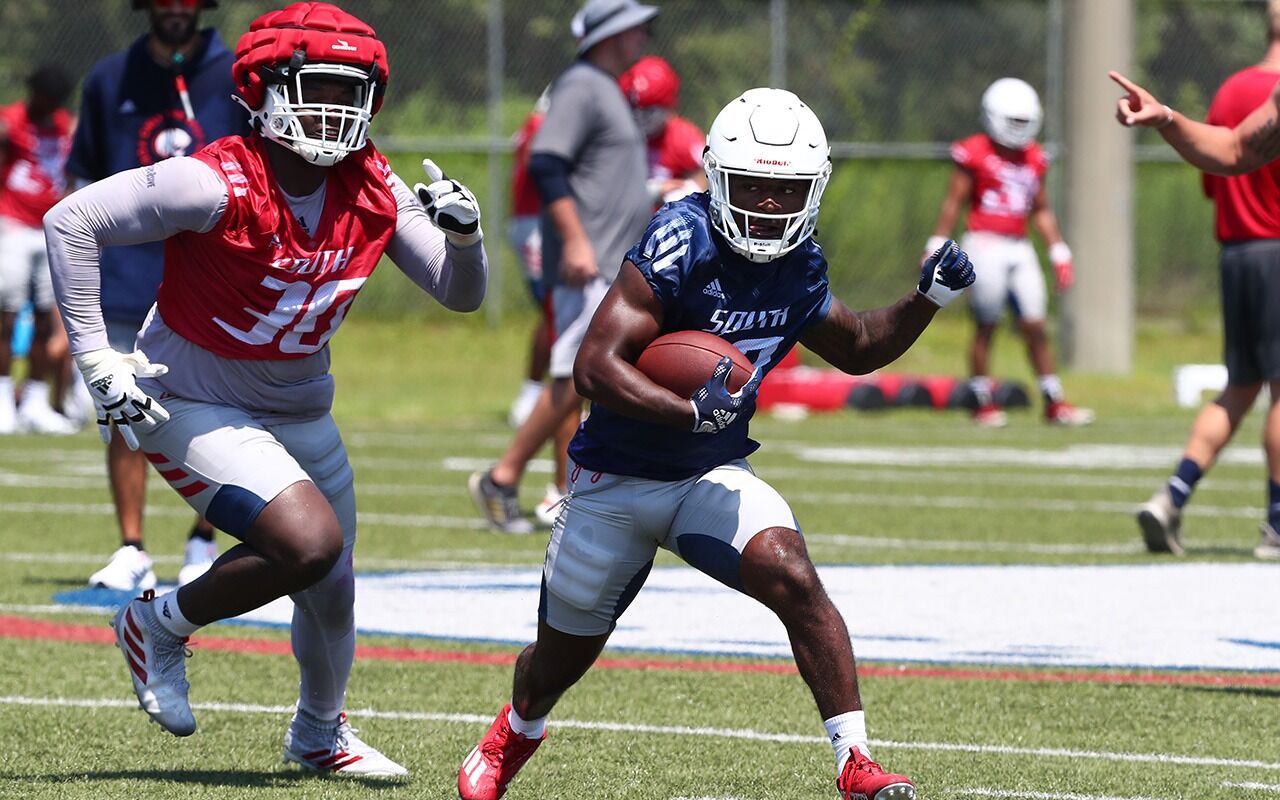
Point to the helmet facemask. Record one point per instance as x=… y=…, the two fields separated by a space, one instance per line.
x=320 y=111
x=735 y=222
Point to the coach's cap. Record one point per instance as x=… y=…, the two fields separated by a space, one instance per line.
x=600 y=19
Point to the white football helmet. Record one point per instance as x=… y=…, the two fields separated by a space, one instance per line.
x=766 y=133
x=1011 y=113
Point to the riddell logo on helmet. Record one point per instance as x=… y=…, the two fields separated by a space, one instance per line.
x=342 y=44
x=773 y=162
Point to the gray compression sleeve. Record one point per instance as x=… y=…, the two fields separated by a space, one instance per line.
x=455 y=276
x=147 y=204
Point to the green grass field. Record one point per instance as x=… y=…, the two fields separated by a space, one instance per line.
x=420 y=401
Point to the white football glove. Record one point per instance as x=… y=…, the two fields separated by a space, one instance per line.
x=450 y=205
x=112 y=380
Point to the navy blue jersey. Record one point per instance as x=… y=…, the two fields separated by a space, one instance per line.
x=705 y=285
x=132 y=116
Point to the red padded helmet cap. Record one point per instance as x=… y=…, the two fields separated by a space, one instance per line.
x=651 y=82
x=324 y=32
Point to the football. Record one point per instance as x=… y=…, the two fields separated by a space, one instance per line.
x=683 y=361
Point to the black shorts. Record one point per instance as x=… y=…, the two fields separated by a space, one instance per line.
x=1251 y=310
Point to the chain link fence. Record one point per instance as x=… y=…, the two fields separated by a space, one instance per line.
x=894 y=82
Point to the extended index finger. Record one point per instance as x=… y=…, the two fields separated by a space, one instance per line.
x=433 y=171
x=1125 y=83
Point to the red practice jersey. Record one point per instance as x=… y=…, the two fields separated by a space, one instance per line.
x=524 y=196
x=32 y=179
x=677 y=151
x=1245 y=206
x=1003 y=189
x=257 y=286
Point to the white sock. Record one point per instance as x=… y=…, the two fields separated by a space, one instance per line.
x=982 y=388
x=531 y=728
x=6 y=390
x=1050 y=387
x=170 y=617
x=845 y=731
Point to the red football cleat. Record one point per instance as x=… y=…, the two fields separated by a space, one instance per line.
x=990 y=416
x=491 y=765
x=864 y=779
x=1063 y=413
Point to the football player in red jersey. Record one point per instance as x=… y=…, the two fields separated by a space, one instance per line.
x=35 y=137
x=268 y=239
x=1000 y=174
x=675 y=143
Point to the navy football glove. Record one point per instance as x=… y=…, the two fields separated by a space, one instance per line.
x=945 y=274
x=714 y=406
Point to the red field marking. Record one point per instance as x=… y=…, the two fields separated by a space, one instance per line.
x=23 y=628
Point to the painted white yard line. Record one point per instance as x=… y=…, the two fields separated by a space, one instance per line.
x=18 y=608
x=960 y=546
x=1260 y=787
x=456 y=558
x=1077 y=456
x=393 y=520
x=1012 y=503
x=74 y=480
x=678 y=730
x=1010 y=793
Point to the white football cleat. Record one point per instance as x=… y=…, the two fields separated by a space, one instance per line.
x=1269 y=547
x=199 y=556
x=549 y=507
x=157 y=665
x=1161 y=523
x=129 y=570
x=319 y=746
x=40 y=418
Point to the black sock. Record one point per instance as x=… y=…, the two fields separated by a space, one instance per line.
x=200 y=532
x=135 y=545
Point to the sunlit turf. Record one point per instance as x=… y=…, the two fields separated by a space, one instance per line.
x=413 y=396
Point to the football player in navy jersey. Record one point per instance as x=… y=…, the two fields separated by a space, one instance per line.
x=652 y=469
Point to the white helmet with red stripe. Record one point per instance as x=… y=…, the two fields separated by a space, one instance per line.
x=766 y=133
x=300 y=45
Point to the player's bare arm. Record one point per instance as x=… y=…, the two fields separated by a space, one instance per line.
x=861 y=342
x=628 y=319
x=858 y=343
x=1212 y=148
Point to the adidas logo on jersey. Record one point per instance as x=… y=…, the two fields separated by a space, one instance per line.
x=713 y=289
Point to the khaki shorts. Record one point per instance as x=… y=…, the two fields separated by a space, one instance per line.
x=611 y=526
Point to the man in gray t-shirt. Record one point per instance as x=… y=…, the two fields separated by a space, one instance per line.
x=588 y=163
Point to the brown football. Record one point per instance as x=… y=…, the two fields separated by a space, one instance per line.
x=683 y=361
